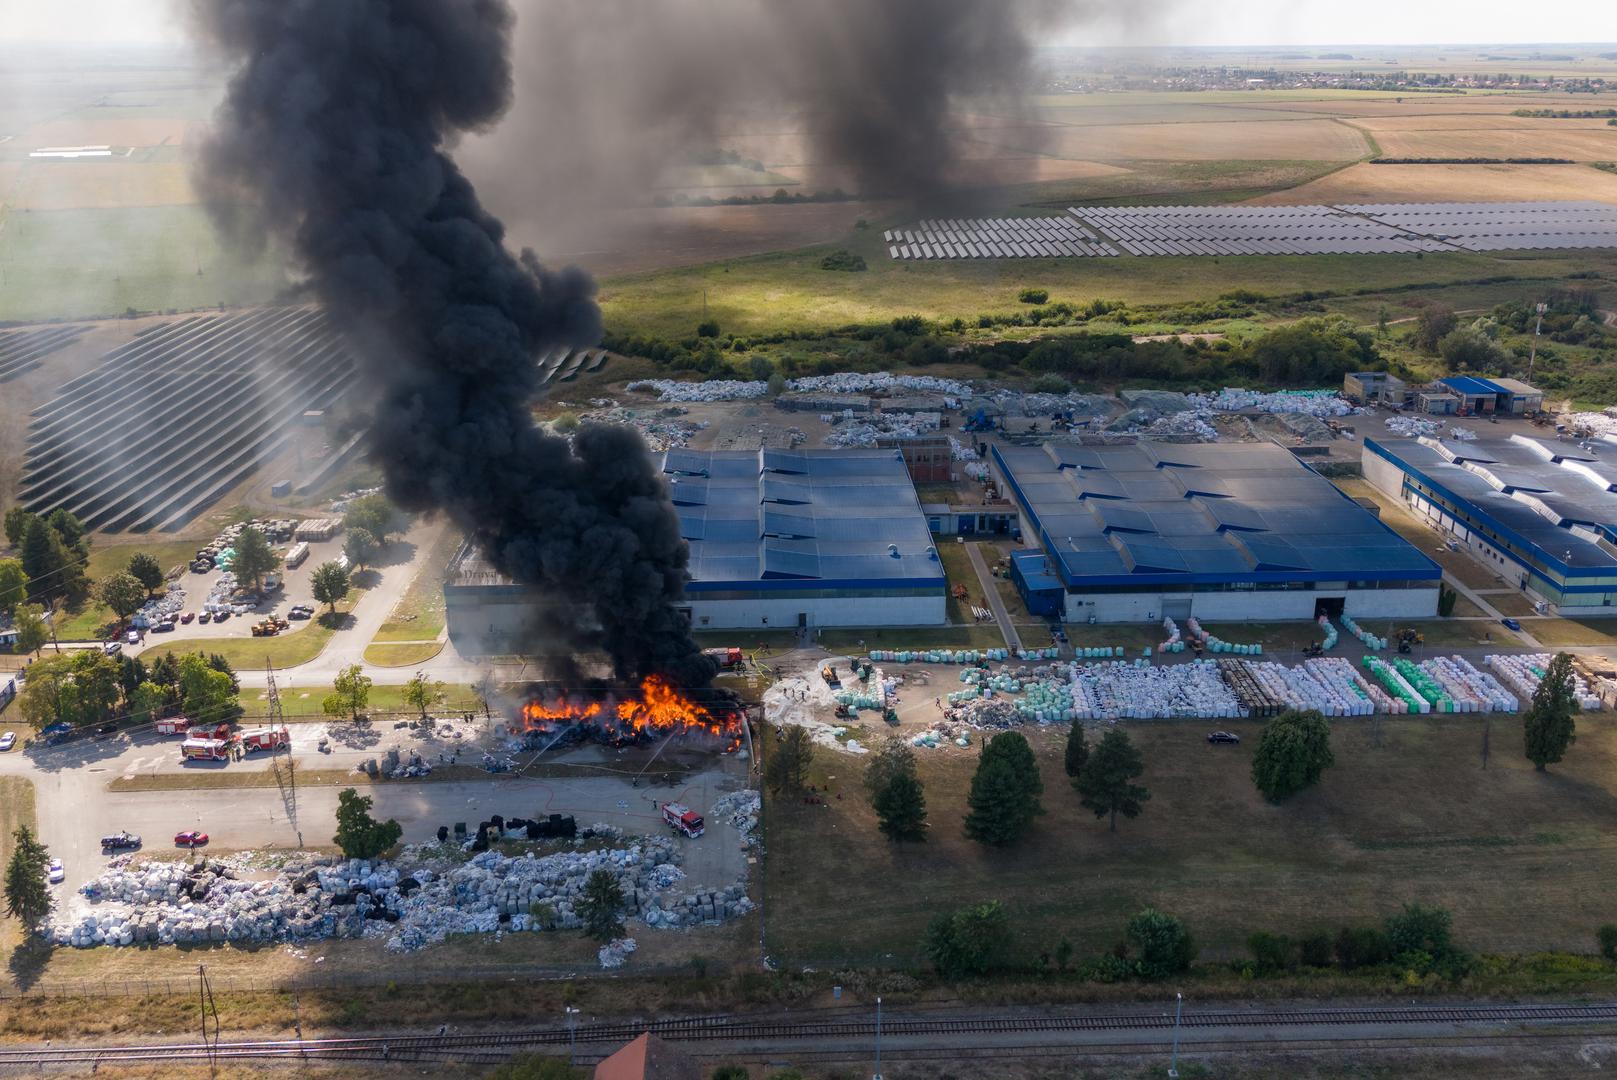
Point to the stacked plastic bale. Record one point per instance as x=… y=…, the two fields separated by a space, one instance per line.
x=1329 y=627
x=1422 y=682
x=1404 y=698
x=1523 y=674
x=1466 y=683
x=1350 y=694
x=1369 y=640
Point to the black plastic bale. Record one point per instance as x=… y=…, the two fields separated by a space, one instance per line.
x=443 y=833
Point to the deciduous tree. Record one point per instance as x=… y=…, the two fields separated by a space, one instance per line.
x=145 y=569
x=423 y=692
x=350 y=693
x=13 y=586
x=330 y=583
x=1106 y=783
x=123 y=594
x=1548 y=727
x=360 y=547
x=32 y=629
x=375 y=515
x=1161 y=944
x=207 y=696
x=359 y=835
x=1294 y=750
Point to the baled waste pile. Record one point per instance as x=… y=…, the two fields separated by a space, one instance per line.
x=413 y=902
x=1315 y=403
x=1412 y=427
x=864 y=433
x=712 y=390
x=862 y=382
x=663 y=430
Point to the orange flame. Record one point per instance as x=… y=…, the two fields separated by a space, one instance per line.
x=660 y=710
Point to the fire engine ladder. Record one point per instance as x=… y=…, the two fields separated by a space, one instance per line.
x=286 y=779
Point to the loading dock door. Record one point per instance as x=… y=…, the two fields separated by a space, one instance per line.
x=1330 y=606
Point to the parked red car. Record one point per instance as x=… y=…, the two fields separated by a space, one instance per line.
x=187 y=617
x=190 y=838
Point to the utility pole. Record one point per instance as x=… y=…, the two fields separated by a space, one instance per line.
x=277 y=722
x=572 y=1034
x=1532 y=356
x=877 y=1074
x=1178 y=1010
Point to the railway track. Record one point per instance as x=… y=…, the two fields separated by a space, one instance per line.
x=495 y=1045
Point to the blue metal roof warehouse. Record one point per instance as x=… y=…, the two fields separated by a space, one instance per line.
x=1164 y=523
x=804 y=537
x=1542 y=512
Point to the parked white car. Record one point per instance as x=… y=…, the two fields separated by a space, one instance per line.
x=7 y=741
x=56 y=872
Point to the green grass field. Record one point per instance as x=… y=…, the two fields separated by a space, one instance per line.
x=1523 y=859
x=92 y=620
x=788 y=291
x=304 y=701
x=95 y=263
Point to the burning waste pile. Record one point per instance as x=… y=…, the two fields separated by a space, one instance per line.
x=619 y=716
x=419 y=899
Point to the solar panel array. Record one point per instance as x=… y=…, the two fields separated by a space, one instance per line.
x=21 y=351
x=172 y=420
x=1517 y=226
x=1343 y=229
x=996 y=238
x=1248 y=230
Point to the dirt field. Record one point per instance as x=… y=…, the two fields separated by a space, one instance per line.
x=1279 y=139
x=87 y=128
x=1366 y=183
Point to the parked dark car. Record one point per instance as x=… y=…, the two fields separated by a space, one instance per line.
x=120 y=841
x=1223 y=737
x=1511 y=624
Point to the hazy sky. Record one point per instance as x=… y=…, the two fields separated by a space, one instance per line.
x=1193 y=22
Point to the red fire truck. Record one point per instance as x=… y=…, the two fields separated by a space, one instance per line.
x=265 y=739
x=681 y=818
x=178 y=725
x=730 y=657
x=194 y=749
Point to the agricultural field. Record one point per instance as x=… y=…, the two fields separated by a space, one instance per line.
x=1407 y=813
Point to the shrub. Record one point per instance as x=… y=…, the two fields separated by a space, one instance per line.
x=1050 y=384
x=708 y=328
x=843 y=259
x=1314 y=950
x=1362 y=946
x=1164 y=946
x=1033 y=296
x=970 y=941
x=730 y=1072
x=1418 y=928
x=1272 y=952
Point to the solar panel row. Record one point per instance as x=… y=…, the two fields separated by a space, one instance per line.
x=1344 y=229
x=996 y=238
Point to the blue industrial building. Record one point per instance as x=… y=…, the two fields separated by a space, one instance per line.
x=1486 y=396
x=1225 y=532
x=786 y=538
x=778 y=538
x=1541 y=512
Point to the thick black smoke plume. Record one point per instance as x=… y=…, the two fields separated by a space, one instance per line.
x=875 y=96
x=334 y=130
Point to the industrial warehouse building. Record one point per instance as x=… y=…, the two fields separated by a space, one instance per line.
x=778 y=539
x=1541 y=512
x=1225 y=532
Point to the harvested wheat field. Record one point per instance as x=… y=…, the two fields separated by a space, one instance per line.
x=99 y=183
x=1238 y=140
x=1367 y=183
x=1555 y=138
x=85 y=128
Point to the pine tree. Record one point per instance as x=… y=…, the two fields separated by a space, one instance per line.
x=254 y=558
x=1004 y=796
x=901 y=808
x=1548 y=727
x=600 y=904
x=1077 y=749
x=28 y=899
x=359 y=835
x=1105 y=784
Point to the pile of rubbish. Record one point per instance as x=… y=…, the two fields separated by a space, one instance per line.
x=856 y=382
x=866 y=432
x=988 y=713
x=712 y=390
x=614 y=953
x=1412 y=427
x=339 y=505
x=1315 y=403
x=165 y=608
x=409 y=904
x=741 y=809
x=1013 y=403
x=1180 y=426
x=1523 y=674
x=663 y=430
x=1462 y=434
x=222 y=596
x=959 y=451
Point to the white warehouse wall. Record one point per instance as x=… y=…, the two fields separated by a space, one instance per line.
x=1254 y=606
x=1383 y=474
x=828 y=611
